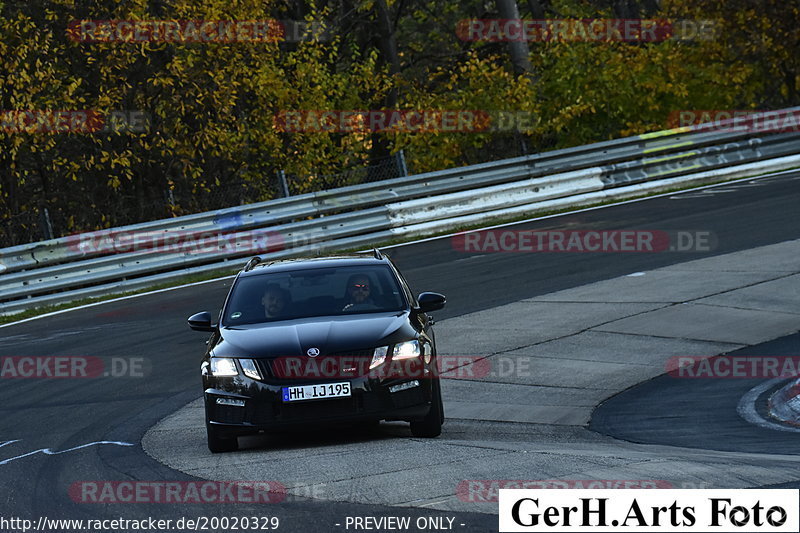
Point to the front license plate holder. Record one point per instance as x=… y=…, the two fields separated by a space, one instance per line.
x=320 y=391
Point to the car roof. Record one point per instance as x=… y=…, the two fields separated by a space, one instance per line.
x=305 y=263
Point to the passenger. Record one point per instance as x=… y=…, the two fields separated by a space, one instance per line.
x=358 y=294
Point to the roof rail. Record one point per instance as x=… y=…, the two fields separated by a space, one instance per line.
x=377 y=253
x=250 y=264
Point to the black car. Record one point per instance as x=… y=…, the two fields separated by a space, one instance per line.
x=333 y=340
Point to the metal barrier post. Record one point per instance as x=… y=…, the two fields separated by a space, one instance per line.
x=401 y=163
x=284 y=183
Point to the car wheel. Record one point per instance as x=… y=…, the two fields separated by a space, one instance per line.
x=431 y=425
x=218 y=444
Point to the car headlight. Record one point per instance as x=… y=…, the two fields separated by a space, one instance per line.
x=250 y=369
x=406 y=350
x=223 y=366
x=378 y=356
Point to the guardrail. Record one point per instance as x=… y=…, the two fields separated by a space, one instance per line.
x=317 y=204
x=143 y=255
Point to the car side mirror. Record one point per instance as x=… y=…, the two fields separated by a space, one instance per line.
x=431 y=301
x=202 y=322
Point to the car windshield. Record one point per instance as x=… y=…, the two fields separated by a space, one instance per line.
x=316 y=292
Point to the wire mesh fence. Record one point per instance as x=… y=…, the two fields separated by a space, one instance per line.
x=183 y=199
x=385 y=169
x=186 y=199
x=23 y=227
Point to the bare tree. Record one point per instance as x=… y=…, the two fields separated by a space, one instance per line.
x=520 y=54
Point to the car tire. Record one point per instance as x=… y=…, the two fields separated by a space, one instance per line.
x=218 y=444
x=431 y=426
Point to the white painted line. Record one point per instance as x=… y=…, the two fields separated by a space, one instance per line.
x=470 y=258
x=433 y=503
x=525 y=221
x=747 y=408
x=706 y=194
x=48 y=451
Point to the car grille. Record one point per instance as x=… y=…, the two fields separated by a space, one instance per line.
x=265 y=366
x=355 y=353
x=318 y=409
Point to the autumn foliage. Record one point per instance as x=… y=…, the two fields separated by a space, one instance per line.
x=175 y=127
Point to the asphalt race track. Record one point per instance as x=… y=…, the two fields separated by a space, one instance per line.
x=57 y=432
x=702 y=412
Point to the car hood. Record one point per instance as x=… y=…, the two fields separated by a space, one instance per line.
x=328 y=334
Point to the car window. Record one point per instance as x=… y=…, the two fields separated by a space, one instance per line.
x=305 y=293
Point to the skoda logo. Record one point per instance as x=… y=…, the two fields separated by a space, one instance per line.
x=313 y=352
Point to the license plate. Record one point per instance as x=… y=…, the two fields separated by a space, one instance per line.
x=316 y=392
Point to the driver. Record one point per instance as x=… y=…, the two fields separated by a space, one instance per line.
x=358 y=294
x=274 y=301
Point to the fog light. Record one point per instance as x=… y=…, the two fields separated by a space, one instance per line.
x=230 y=401
x=404 y=386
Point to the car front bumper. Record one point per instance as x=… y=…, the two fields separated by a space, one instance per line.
x=264 y=408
